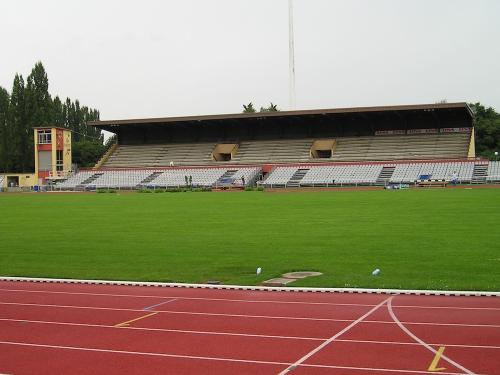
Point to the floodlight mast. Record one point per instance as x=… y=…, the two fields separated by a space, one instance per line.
x=291 y=56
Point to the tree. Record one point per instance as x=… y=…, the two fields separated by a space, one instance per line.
x=249 y=108
x=30 y=105
x=38 y=110
x=487 y=130
x=57 y=116
x=4 y=136
x=38 y=101
x=272 y=108
x=87 y=152
x=17 y=128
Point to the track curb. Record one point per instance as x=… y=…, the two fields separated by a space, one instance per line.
x=257 y=288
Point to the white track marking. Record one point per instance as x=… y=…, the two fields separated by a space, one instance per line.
x=331 y=339
x=188 y=298
x=423 y=343
x=210 y=358
x=384 y=370
x=416 y=343
x=164 y=330
x=160 y=304
x=245 y=315
x=257 y=288
x=243 y=334
x=440 y=324
x=179 y=312
x=240 y=300
x=412 y=307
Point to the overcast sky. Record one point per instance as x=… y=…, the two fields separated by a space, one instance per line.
x=133 y=59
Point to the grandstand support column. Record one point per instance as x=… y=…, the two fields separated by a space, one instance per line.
x=471 y=153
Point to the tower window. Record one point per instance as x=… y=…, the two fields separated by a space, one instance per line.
x=44 y=137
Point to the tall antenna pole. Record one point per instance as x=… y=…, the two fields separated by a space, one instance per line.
x=291 y=56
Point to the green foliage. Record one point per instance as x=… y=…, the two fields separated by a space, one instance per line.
x=87 y=152
x=272 y=108
x=4 y=130
x=260 y=188
x=248 y=188
x=174 y=190
x=487 y=130
x=249 y=108
x=30 y=105
x=101 y=191
x=18 y=150
x=416 y=237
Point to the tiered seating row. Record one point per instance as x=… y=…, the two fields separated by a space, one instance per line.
x=366 y=148
x=400 y=147
x=369 y=173
x=437 y=171
x=75 y=179
x=129 y=179
x=201 y=177
x=493 y=171
x=120 y=179
x=275 y=151
x=326 y=175
x=343 y=174
x=160 y=155
x=316 y=175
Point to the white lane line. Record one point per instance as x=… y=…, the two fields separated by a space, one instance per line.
x=331 y=339
x=423 y=343
x=245 y=334
x=140 y=353
x=177 y=312
x=417 y=344
x=247 y=361
x=441 y=324
x=160 y=304
x=246 y=315
x=189 y=298
x=384 y=370
x=164 y=330
x=243 y=300
x=448 y=308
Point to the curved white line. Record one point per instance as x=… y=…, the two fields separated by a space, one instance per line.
x=331 y=339
x=167 y=355
x=423 y=343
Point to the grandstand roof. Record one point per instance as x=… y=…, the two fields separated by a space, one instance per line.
x=461 y=109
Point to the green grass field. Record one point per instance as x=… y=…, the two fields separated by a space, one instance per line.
x=425 y=239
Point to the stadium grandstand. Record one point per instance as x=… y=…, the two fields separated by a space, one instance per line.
x=326 y=147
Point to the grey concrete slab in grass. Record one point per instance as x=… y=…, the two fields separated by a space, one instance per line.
x=279 y=281
x=213 y=282
x=301 y=274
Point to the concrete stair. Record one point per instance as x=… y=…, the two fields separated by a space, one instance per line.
x=299 y=174
x=479 y=173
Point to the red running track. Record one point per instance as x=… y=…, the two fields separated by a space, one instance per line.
x=55 y=328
